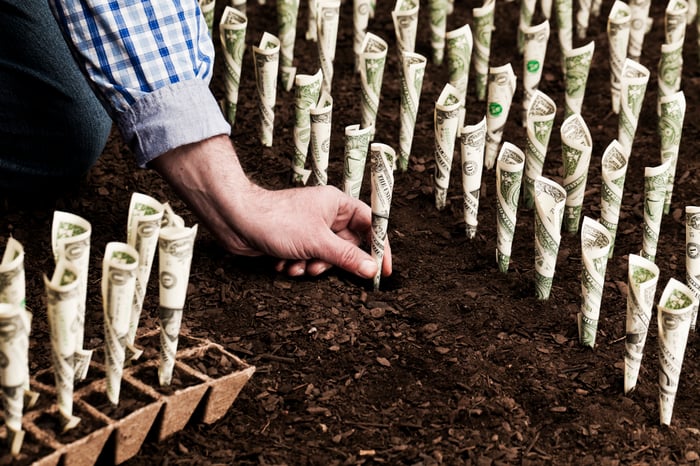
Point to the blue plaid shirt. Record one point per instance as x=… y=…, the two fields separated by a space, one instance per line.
x=150 y=62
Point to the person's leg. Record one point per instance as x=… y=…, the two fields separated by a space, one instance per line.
x=52 y=127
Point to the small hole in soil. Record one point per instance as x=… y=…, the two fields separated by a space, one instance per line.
x=181 y=379
x=130 y=400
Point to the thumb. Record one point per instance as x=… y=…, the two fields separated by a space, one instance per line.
x=349 y=257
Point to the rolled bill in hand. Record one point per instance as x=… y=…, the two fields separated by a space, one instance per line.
x=674 y=315
x=614 y=171
x=405 y=17
x=438 y=27
x=564 y=12
x=527 y=11
x=675 y=21
x=372 y=60
x=595 y=244
x=577 y=66
x=306 y=94
x=576 y=147
x=207 y=7
x=655 y=180
x=670 y=126
x=355 y=157
x=327 y=17
x=502 y=83
x=692 y=255
x=640 y=22
x=509 y=174
x=62 y=297
x=446 y=120
x=539 y=123
x=550 y=199
x=382 y=161
x=483 y=30
x=618 y=31
x=459 y=45
x=670 y=68
x=633 y=87
x=287 y=12
x=583 y=15
x=232 y=30
x=642 y=277
x=412 y=70
x=119 y=270
x=266 y=59
x=321 y=116
x=175 y=246
x=472 y=142
x=534 y=50
x=360 y=20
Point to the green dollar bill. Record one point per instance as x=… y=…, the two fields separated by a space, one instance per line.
x=595 y=244
x=412 y=71
x=483 y=30
x=577 y=147
x=445 y=121
x=577 y=66
x=550 y=200
x=509 y=174
x=618 y=33
x=539 y=123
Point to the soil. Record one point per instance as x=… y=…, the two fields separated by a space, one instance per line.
x=450 y=361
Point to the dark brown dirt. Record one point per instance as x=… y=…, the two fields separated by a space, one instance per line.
x=451 y=361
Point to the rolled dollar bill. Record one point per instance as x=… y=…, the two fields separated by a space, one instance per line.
x=655 y=180
x=266 y=58
x=692 y=11
x=527 y=11
x=459 y=44
x=509 y=174
x=618 y=31
x=287 y=13
x=119 y=270
x=502 y=84
x=564 y=13
x=412 y=71
x=595 y=7
x=534 y=50
x=360 y=20
x=670 y=127
x=306 y=94
x=372 y=61
x=327 y=17
x=170 y=218
x=633 y=87
x=207 y=7
x=472 y=143
x=583 y=15
x=546 y=6
x=539 y=123
x=62 y=297
x=692 y=255
x=670 y=68
x=405 y=17
x=355 y=156
x=675 y=21
x=321 y=117
x=595 y=244
x=70 y=239
x=483 y=30
x=382 y=161
x=577 y=147
x=438 y=27
x=639 y=12
x=550 y=198
x=674 y=315
x=175 y=247
x=240 y=5
x=614 y=171
x=311 y=25
x=642 y=277
x=577 y=67
x=232 y=31
x=446 y=119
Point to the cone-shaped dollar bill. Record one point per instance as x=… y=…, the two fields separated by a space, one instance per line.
x=539 y=123
x=534 y=51
x=266 y=58
x=207 y=7
x=311 y=24
x=405 y=17
x=670 y=68
x=639 y=11
x=321 y=117
x=633 y=87
x=546 y=6
x=70 y=239
x=119 y=270
x=355 y=157
x=459 y=44
x=170 y=218
x=412 y=71
x=618 y=31
x=527 y=11
x=143 y=225
x=175 y=247
x=577 y=66
x=287 y=13
x=614 y=171
x=576 y=146
x=502 y=84
x=306 y=94
x=675 y=21
x=382 y=161
x=240 y=5
x=642 y=277
x=360 y=20
x=509 y=174
x=595 y=245
x=655 y=180
x=692 y=254
x=438 y=27
x=671 y=117
x=62 y=298
x=232 y=31
x=327 y=17
x=583 y=15
x=564 y=13
x=472 y=143
x=675 y=311
x=550 y=200
x=692 y=11
x=446 y=120
x=483 y=30
x=372 y=61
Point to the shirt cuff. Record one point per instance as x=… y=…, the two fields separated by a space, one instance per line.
x=170 y=117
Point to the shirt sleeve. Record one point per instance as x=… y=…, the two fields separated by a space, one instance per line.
x=150 y=62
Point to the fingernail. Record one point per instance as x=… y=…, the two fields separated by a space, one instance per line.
x=367 y=269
